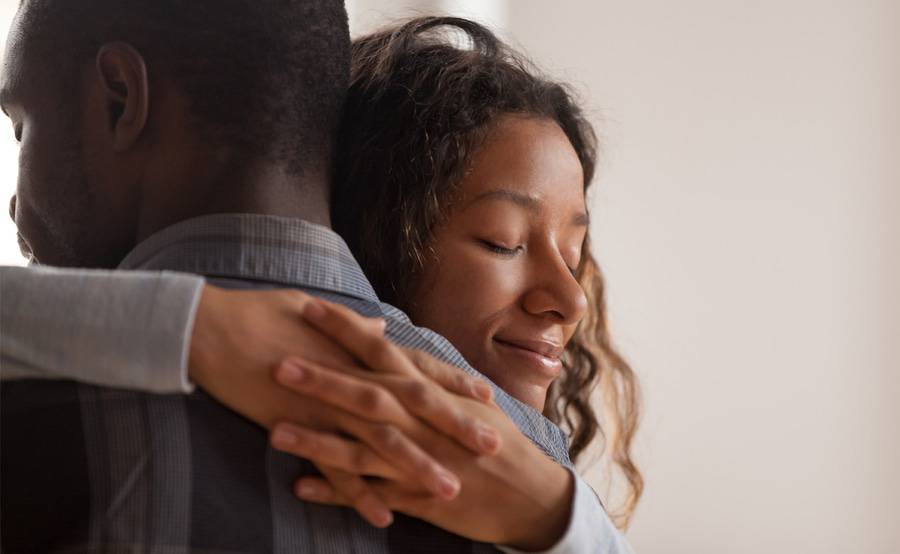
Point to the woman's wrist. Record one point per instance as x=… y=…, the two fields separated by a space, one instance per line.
x=546 y=518
x=198 y=358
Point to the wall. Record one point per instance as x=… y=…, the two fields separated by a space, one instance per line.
x=747 y=219
x=9 y=248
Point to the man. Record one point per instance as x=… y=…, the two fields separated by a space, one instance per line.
x=206 y=107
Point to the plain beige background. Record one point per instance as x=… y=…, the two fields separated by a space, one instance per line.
x=746 y=214
x=747 y=218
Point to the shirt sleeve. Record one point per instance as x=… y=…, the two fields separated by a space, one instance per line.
x=123 y=329
x=590 y=528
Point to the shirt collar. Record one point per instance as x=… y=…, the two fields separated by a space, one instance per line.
x=280 y=250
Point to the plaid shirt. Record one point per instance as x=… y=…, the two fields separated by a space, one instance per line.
x=92 y=469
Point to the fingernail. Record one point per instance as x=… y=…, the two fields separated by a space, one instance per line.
x=448 y=485
x=292 y=372
x=313 y=310
x=283 y=438
x=307 y=490
x=487 y=438
x=482 y=390
x=383 y=518
x=377 y=512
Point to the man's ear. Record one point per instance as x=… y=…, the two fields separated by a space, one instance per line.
x=123 y=76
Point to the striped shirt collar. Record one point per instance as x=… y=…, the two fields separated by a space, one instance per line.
x=280 y=250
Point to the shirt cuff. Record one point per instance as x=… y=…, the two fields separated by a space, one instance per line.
x=589 y=529
x=179 y=294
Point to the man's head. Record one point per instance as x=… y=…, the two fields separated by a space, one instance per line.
x=125 y=107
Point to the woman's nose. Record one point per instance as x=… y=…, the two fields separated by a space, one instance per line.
x=557 y=294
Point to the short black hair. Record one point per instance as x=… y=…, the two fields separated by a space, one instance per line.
x=266 y=76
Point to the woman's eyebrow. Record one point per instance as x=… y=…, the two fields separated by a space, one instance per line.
x=530 y=203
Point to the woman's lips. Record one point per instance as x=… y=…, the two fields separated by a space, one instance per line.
x=540 y=355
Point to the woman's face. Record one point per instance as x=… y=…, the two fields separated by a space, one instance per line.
x=502 y=288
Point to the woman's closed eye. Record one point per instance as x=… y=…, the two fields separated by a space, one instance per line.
x=501 y=250
x=508 y=252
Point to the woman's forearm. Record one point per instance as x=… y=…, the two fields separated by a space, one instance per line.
x=121 y=329
x=589 y=529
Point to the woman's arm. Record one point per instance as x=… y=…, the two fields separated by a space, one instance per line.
x=590 y=528
x=118 y=329
x=149 y=331
x=518 y=497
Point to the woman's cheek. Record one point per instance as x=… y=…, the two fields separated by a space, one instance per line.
x=495 y=283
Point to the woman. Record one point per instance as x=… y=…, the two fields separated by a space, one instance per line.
x=505 y=151
x=461 y=191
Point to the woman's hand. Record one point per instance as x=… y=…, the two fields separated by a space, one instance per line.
x=518 y=497
x=240 y=337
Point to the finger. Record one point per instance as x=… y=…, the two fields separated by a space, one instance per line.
x=346 y=389
x=358 y=494
x=451 y=377
x=349 y=330
x=328 y=449
x=393 y=445
x=376 y=426
x=402 y=499
x=372 y=401
x=320 y=491
x=428 y=401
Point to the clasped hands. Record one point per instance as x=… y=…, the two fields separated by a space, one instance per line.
x=390 y=429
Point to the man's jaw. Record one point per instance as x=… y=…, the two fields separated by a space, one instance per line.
x=25 y=249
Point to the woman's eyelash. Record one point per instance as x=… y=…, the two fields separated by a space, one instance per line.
x=502 y=250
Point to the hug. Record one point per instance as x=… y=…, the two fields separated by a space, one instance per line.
x=291 y=292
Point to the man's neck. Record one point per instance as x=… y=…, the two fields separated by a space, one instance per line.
x=256 y=189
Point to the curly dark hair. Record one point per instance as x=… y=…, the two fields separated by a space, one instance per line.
x=420 y=105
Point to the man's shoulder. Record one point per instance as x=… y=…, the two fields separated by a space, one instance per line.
x=400 y=329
